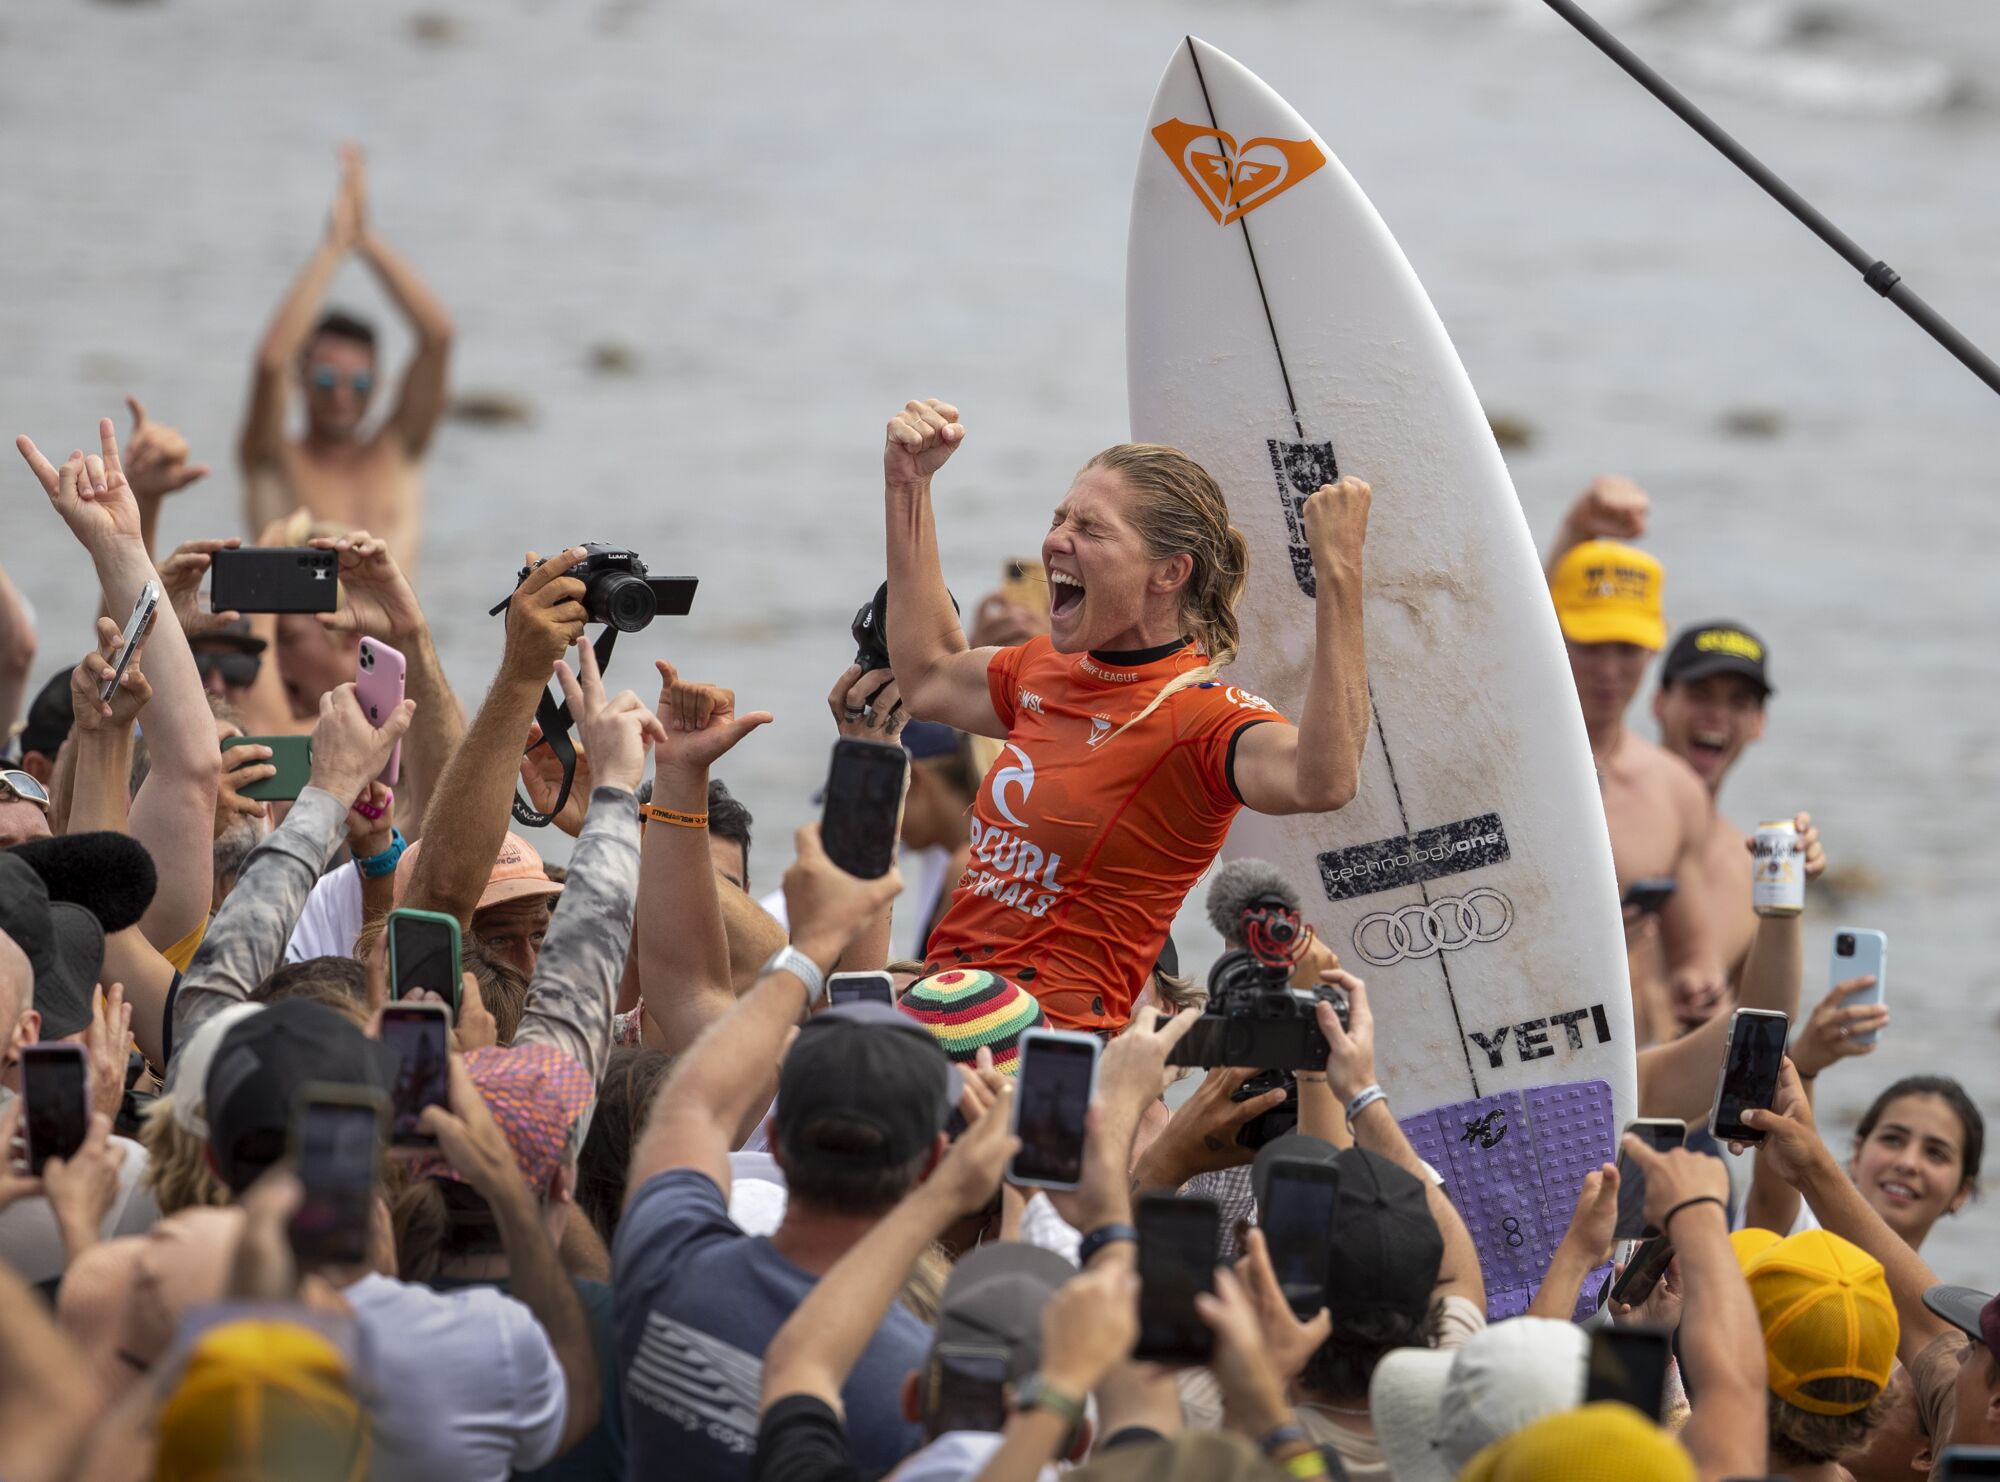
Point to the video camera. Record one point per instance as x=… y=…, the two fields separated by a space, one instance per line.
x=1254 y=1016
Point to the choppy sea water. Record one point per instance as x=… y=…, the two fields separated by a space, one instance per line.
x=707 y=248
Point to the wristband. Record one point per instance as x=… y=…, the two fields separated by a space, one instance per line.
x=1363 y=1100
x=1306 y=1466
x=654 y=814
x=1668 y=1218
x=789 y=959
x=1102 y=1236
x=1289 y=1433
x=1035 y=1393
x=375 y=866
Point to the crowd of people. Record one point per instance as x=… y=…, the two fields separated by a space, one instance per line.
x=675 y=1214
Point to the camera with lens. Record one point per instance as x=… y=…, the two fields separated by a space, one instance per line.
x=617 y=591
x=871 y=630
x=1254 y=1017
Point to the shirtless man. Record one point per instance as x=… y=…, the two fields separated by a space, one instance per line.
x=1607 y=598
x=373 y=481
x=1710 y=705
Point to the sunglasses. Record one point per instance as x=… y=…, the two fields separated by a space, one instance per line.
x=238 y=670
x=21 y=787
x=326 y=379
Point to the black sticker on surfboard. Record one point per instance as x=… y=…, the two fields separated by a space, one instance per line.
x=1300 y=469
x=1428 y=854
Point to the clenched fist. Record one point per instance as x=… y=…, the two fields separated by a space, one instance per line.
x=922 y=436
x=1337 y=524
x=1612 y=508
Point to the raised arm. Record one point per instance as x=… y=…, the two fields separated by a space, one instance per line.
x=17 y=652
x=685 y=981
x=941 y=678
x=1585 y=1246
x=713 y=1087
x=420 y=402
x=1315 y=767
x=156 y=461
x=1612 y=508
x=246 y=940
x=1721 y=1341
x=467 y=818
x=576 y=974
x=380 y=604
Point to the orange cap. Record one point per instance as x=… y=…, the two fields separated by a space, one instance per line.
x=517 y=874
x=1610 y=593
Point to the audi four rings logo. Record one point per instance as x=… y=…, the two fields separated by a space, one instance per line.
x=1419 y=930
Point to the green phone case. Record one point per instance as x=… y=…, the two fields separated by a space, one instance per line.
x=291 y=755
x=457 y=967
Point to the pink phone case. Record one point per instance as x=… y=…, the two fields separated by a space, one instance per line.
x=378 y=685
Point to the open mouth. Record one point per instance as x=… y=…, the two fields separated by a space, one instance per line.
x=1898 y=1193
x=1065 y=594
x=1708 y=745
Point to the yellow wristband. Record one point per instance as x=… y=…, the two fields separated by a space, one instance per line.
x=674 y=816
x=1306 y=1465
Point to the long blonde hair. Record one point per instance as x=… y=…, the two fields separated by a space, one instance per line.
x=1177 y=508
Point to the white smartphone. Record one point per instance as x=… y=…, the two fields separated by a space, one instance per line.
x=1058 y=1077
x=1857 y=952
x=135 y=628
x=868 y=987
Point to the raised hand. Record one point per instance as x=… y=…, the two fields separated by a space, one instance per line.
x=243 y=766
x=699 y=723
x=614 y=731
x=1336 y=518
x=545 y=616
x=89 y=492
x=180 y=580
x=82 y=1189
x=348 y=220
x=1089 y=1325
x=107 y=1046
x=867 y=707
x=541 y=777
x=1675 y=1177
x=156 y=458
x=1595 y=1218
x=1612 y=508
x=378 y=600
x=970 y=1171
x=347 y=751
x=826 y=906
x=1289 y=1341
x=1830 y=1031
x=371 y=831
x=921 y=439
x=1350 y=1051
x=1815 y=852
x=86 y=683
x=471 y=1139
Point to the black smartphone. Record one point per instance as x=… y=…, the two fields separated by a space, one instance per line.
x=864 y=806
x=1650 y=896
x=875 y=987
x=1962 y=1463
x=968 y=1386
x=274 y=579
x=1661 y=1134
x=1051 y=1097
x=336 y=1148
x=420 y=1034
x=423 y=953
x=1629 y=1365
x=55 y=1092
x=1643 y=1272
x=1179 y=1244
x=1751 y=1062
x=1297 y=1220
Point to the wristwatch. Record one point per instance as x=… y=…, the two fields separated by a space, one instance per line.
x=789 y=959
x=1034 y=1393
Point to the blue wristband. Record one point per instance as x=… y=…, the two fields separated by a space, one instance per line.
x=377 y=865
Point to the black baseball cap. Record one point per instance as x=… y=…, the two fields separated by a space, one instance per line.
x=994 y=1299
x=865 y=1063
x=258 y=1068
x=1387 y=1247
x=50 y=716
x=234 y=634
x=64 y=945
x=1975 y=1314
x=1717 y=647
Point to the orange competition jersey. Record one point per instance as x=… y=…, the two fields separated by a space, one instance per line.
x=1085 y=842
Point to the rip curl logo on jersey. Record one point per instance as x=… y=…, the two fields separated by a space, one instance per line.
x=1022 y=777
x=1428 y=854
x=1300 y=469
x=1422 y=929
x=1232 y=179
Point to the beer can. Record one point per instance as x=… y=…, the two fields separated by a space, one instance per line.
x=1777 y=869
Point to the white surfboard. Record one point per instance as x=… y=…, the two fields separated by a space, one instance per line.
x=1275 y=332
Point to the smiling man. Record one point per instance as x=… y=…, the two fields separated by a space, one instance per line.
x=1710 y=705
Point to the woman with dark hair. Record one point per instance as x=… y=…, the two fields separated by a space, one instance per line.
x=1126 y=757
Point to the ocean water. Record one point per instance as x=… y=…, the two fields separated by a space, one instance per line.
x=777 y=222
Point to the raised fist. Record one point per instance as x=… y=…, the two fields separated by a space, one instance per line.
x=922 y=436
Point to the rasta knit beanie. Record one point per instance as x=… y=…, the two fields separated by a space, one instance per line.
x=969 y=1008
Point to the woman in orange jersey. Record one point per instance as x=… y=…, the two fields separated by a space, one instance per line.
x=1126 y=758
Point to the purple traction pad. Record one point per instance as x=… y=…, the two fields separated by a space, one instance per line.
x=1513 y=1164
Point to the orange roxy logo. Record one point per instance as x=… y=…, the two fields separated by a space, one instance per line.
x=1231 y=181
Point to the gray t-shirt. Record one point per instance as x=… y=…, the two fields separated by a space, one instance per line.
x=697 y=1301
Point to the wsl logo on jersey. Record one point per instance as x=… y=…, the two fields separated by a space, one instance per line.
x=1004 y=864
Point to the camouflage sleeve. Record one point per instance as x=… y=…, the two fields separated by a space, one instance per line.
x=576 y=975
x=246 y=940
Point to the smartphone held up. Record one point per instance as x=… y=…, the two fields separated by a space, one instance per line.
x=1751 y=1063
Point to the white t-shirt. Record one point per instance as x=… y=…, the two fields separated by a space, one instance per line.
x=331 y=920
x=466 y=1383
x=956 y=1456
x=31 y=1243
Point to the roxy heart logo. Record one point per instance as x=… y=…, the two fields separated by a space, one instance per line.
x=1232 y=180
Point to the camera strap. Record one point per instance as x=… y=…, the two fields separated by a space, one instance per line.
x=553 y=716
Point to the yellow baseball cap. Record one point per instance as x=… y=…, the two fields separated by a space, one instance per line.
x=263 y=1398
x=1827 y=1314
x=1610 y=593
x=1604 y=1442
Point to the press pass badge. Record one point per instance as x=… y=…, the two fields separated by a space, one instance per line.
x=1778 y=869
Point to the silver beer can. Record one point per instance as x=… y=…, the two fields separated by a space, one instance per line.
x=1777 y=869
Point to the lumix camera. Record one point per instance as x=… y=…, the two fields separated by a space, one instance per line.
x=618 y=593
x=871 y=630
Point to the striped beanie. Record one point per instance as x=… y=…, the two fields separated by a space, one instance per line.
x=968 y=1008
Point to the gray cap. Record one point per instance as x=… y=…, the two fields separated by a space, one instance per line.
x=994 y=1299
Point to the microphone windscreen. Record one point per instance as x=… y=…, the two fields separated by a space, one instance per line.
x=1235 y=886
x=109 y=874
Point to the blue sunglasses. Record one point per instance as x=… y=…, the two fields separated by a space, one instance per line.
x=326 y=379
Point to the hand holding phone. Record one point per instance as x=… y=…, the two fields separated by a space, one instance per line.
x=136 y=627
x=55 y=1102
x=1296 y=1217
x=378 y=686
x=336 y=1147
x=291 y=764
x=420 y=1034
x=1179 y=1243
x=274 y=579
x=1630 y=1365
x=1058 y=1075
x=864 y=806
x=424 y=953
x=1660 y=1134
x=1858 y=953
x=1751 y=1061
